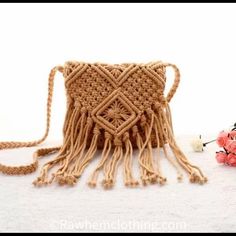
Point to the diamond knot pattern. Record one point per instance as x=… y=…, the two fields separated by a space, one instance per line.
x=116 y=113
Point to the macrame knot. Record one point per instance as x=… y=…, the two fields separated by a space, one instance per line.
x=83 y=110
x=70 y=180
x=96 y=130
x=77 y=104
x=160 y=91
x=61 y=180
x=135 y=130
x=143 y=120
x=157 y=106
x=149 y=111
x=108 y=135
x=117 y=141
x=89 y=121
x=38 y=182
x=125 y=136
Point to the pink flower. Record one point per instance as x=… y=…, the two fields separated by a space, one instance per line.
x=223 y=137
x=221 y=157
x=231 y=146
x=231 y=159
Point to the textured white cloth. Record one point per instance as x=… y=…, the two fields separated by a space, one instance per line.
x=174 y=207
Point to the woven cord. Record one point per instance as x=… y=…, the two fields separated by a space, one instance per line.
x=175 y=85
x=26 y=169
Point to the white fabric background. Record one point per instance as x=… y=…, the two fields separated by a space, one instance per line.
x=175 y=207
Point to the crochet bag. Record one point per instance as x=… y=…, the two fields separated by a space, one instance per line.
x=115 y=108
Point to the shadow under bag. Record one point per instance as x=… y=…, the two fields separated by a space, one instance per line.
x=115 y=108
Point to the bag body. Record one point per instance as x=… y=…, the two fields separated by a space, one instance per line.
x=117 y=109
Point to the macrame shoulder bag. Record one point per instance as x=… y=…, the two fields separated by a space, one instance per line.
x=115 y=108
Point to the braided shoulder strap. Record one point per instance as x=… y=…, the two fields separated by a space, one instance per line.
x=26 y=169
x=175 y=85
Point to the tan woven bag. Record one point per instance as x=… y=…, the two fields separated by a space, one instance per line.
x=116 y=108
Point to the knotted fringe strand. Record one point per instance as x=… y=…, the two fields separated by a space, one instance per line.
x=111 y=166
x=160 y=137
x=105 y=155
x=128 y=157
x=84 y=160
x=150 y=173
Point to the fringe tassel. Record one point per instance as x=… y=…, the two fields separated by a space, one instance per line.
x=69 y=112
x=159 y=139
x=161 y=136
x=169 y=117
x=149 y=172
x=67 y=174
x=105 y=155
x=128 y=175
x=111 y=167
x=80 y=133
x=84 y=161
